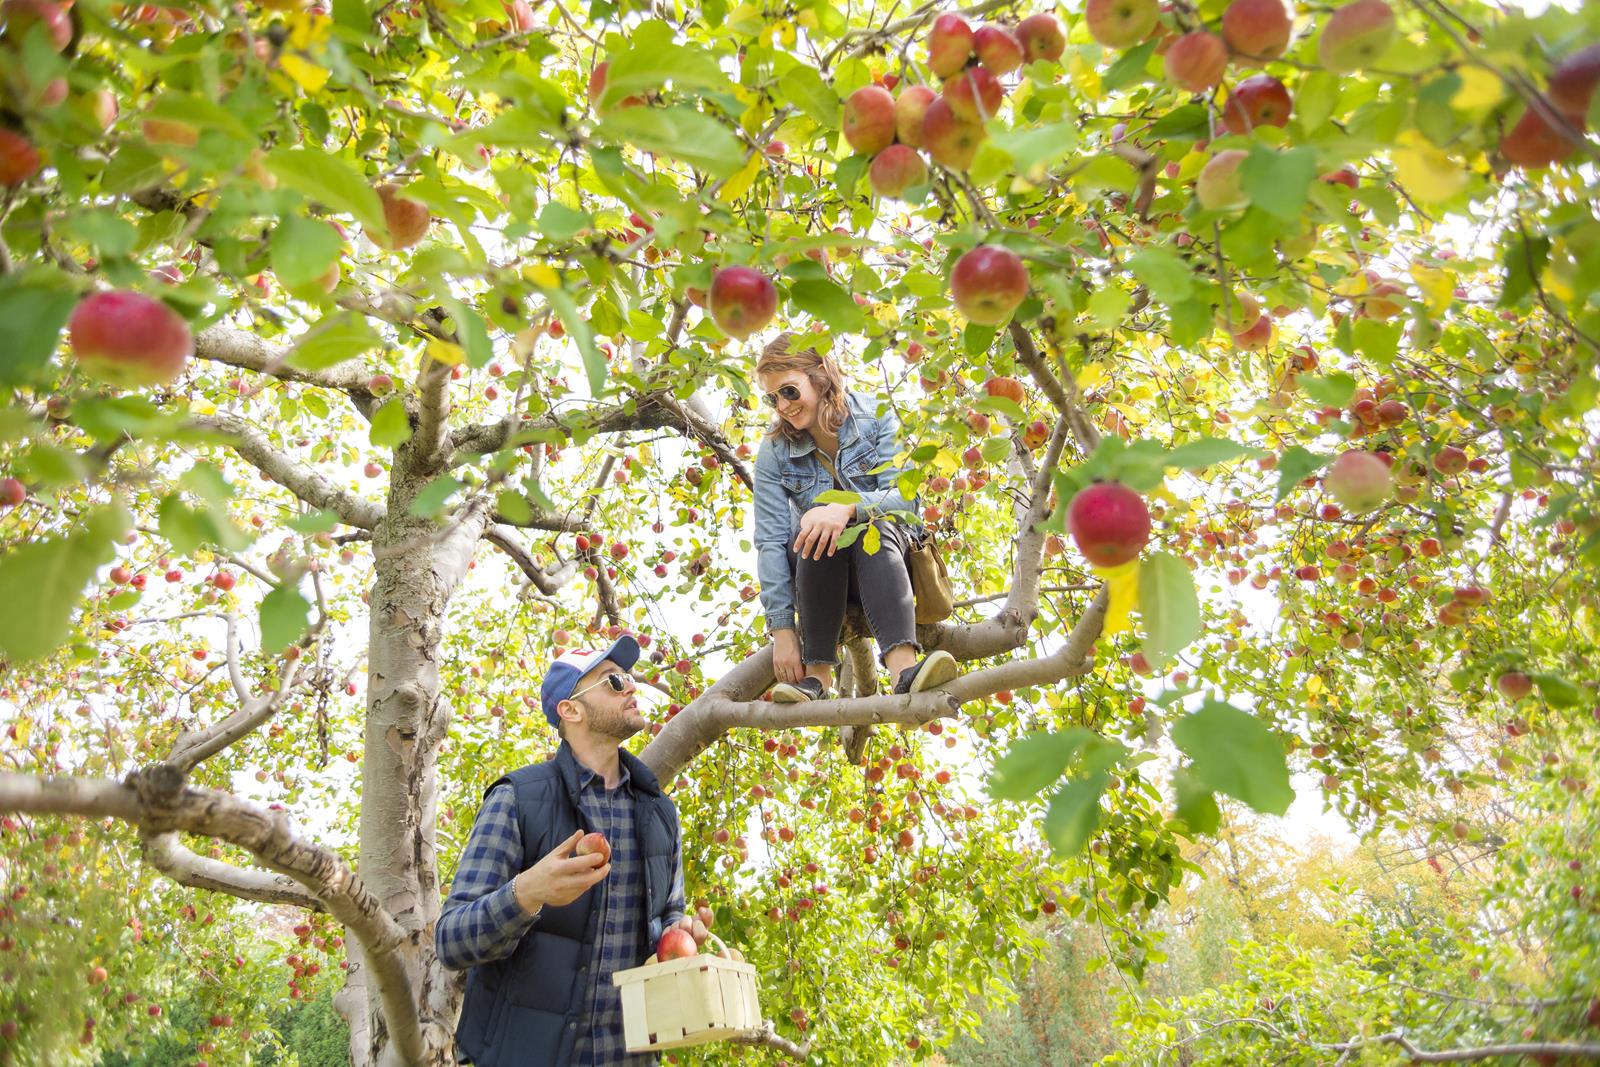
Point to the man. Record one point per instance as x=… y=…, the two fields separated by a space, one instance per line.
x=543 y=929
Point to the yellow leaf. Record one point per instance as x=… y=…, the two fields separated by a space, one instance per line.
x=1091 y=376
x=305 y=73
x=444 y=352
x=542 y=275
x=307 y=29
x=1479 y=90
x=740 y=183
x=872 y=540
x=1085 y=76
x=1438 y=286
x=1314 y=685
x=1427 y=173
x=1123 y=583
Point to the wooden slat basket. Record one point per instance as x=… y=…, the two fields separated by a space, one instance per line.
x=687 y=1002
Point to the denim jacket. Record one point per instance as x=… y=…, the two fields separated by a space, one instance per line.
x=789 y=478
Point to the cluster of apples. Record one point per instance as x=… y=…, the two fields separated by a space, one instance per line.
x=948 y=124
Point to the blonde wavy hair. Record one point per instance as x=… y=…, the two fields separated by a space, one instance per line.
x=781 y=355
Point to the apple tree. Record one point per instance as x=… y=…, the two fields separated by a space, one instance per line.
x=360 y=357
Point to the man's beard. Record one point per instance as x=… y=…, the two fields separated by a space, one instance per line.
x=615 y=723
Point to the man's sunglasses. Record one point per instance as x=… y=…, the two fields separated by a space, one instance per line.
x=618 y=681
x=791 y=393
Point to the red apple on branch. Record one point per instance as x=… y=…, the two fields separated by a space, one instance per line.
x=129 y=339
x=1261 y=100
x=1219 y=187
x=987 y=283
x=974 y=94
x=1109 y=522
x=897 y=169
x=1121 y=24
x=950 y=41
x=1257 y=29
x=19 y=160
x=868 y=121
x=1195 y=61
x=1008 y=387
x=743 y=300
x=1355 y=35
x=951 y=140
x=1514 y=685
x=1042 y=37
x=405 y=219
x=910 y=107
x=998 y=49
x=1360 y=481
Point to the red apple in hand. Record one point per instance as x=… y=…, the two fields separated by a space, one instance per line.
x=743 y=300
x=129 y=339
x=1110 y=523
x=594 y=844
x=676 y=944
x=987 y=283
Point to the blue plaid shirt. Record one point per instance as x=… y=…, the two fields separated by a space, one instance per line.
x=482 y=921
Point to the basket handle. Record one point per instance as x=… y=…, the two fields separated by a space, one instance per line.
x=710 y=936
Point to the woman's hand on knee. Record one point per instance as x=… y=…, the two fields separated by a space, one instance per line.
x=786 y=656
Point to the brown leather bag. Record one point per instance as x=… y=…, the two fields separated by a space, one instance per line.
x=930 y=581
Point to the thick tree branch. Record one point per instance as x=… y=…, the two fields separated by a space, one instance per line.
x=430 y=444
x=1043 y=376
x=240 y=348
x=473 y=441
x=768 y=1037
x=167 y=855
x=158 y=800
x=252 y=445
x=729 y=703
x=1556 y=1050
x=547 y=582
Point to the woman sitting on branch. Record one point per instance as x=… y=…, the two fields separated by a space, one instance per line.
x=825 y=438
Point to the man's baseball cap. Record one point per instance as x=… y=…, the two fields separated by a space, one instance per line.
x=562 y=677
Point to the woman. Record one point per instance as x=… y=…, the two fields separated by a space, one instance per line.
x=802 y=569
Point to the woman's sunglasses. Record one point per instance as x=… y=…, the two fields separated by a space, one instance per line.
x=791 y=393
x=619 y=683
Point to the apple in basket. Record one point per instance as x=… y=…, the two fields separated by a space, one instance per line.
x=676 y=944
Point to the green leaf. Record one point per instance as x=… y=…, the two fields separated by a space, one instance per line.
x=652 y=59
x=1278 y=182
x=1335 y=389
x=677 y=132
x=1129 y=68
x=1164 y=273
x=1105 y=174
x=188 y=528
x=302 y=250
x=1186 y=123
x=995 y=450
x=838 y=496
x=1209 y=451
x=1524 y=262
x=431 y=500
x=850 y=534
x=1036 y=147
x=514 y=507
x=390 y=425
x=110 y=234
x=471 y=334
x=40 y=583
x=1557 y=691
x=1314 y=99
x=1003 y=405
x=559 y=222
x=1294 y=466
x=594 y=361
x=1196 y=805
x=824 y=300
x=333 y=340
x=34 y=307
x=285 y=614
x=1107 y=305
x=1236 y=753
x=1034 y=762
x=802 y=86
x=330 y=180
x=314 y=522
x=1074 y=813
x=110 y=417
x=1169 y=604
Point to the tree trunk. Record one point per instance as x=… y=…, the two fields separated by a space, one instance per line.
x=417 y=567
